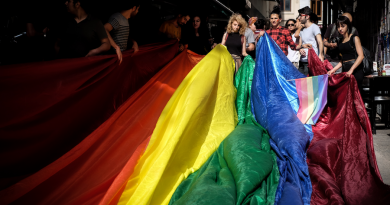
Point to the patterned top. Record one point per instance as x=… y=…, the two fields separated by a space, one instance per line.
x=282 y=37
x=170 y=30
x=120 y=31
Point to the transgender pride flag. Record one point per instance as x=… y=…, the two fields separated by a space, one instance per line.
x=312 y=93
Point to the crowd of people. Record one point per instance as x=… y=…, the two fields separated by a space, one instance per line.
x=84 y=35
x=341 y=45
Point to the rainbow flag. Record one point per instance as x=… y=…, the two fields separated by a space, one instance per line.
x=312 y=94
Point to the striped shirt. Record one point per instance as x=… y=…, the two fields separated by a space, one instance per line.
x=120 y=31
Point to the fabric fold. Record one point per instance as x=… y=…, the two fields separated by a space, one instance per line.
x=275 y=104
x=243 y=170
x=197 y=118
x=341 y=156
x=47 y=108
x=97 y=168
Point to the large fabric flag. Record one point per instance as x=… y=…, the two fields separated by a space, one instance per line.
x=275 y=104
x=198 y=117
x=341 y=156
x=47 y=108
x=97 y=169
x=312 y=93
x=243 y=170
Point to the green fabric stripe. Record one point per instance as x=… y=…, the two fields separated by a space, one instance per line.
x=316 y=95
x=243 y=170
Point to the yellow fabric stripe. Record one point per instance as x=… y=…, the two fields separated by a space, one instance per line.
x=198 y=117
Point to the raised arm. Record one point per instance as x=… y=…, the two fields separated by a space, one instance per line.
x=290 y=42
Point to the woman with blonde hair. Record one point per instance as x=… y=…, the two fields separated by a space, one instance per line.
x=234 y=39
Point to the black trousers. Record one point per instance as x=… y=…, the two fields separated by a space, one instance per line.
x=357 y=73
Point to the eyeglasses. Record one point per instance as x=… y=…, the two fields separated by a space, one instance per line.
x=290 y=24
x=304 y=15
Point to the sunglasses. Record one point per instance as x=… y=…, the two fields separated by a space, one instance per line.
x=290 y=24
x=304 y=15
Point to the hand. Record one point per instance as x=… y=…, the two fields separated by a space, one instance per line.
x=213 y=46
x=261 y=33
x=119 y=53
x=333 y=45
x=321 y=56
x=331 y=72
x=302 y=51
x=245 y=54
x=300 y=25
x=92 y=52
x=135 y=47
x=349 y=73
x=307 y=46
x=181 y=47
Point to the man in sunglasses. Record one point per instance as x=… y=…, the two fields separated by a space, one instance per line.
x=311 y=34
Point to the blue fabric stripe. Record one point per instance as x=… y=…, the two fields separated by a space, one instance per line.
x=274 y=105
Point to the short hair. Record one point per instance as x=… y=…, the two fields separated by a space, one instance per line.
x=305 y=10
x=293 y=20
x=313 y=18
x=260 y=24
x=344 y=20
x=276 y=10
x=240 y=21
x=129 y=4
x=183 y=12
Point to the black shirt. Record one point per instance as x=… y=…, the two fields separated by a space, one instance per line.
x=233 y=43
x=346 y=49
x=78 y=39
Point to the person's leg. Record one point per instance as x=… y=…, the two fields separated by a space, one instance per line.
x=359 y=76
x=303 y=68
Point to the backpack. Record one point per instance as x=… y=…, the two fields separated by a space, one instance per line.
x=333 y=53
x=368 y=66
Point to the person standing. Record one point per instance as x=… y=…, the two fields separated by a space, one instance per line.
x=198 y=37
x=279 y=34
x=234 y=39
x=118 y=30
x=83 y=35
x=257 y=26
x=349 y=47
x=311 y=34
x=171 y=29
x=249 y=36
x=330 y=42
x=293 y=55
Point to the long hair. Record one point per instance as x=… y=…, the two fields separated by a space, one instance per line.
x=344 y=20
x=293 y=20
x=241 y=22
x=202 y=30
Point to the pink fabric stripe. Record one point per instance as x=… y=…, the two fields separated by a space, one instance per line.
x=299 y=91
x=301 y=85
x=305 y=99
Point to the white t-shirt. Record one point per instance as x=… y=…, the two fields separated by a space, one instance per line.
x=293 y=56
x=308 y=35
